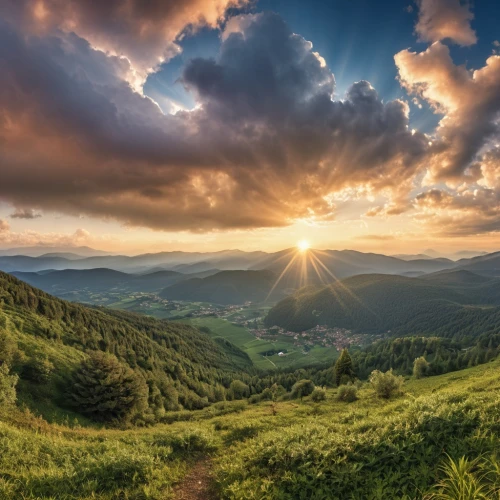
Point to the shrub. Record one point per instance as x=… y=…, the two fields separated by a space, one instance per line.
x=107 y=390
x=318 y=395
x=239 y=390
x=420 y=367
x=386 y=384
x=254 y=399
x=7 y=348
x=7 y=385
x=302 y=388
x=347 y=393
x=344 y=371
x=37 y=369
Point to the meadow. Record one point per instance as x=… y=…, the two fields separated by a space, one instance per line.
x=257 y=349
x=370 y=448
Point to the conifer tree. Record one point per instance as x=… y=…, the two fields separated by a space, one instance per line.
x=344 y=371
x=106 y=389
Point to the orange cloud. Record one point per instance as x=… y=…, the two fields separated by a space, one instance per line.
x=445 y=19
x=267 y=144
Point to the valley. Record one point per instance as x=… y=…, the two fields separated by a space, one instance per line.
x=253 y=378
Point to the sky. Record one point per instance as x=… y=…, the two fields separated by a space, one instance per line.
x=194 y=125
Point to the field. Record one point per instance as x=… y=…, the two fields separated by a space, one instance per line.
x=370 y=448
x=257 y=348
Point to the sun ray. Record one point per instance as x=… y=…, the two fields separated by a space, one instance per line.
x=281 y=275
x=346 y=288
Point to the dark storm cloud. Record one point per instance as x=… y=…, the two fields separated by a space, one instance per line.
x=266 y=145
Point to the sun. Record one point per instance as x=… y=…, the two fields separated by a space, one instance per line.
x=303 y=245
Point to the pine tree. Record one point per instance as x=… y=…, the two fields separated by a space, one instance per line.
x=344 y=371
x=106 y=389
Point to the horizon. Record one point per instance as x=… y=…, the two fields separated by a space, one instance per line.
x=300 y=247
x=253 y=125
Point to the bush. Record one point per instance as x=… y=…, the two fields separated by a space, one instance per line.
x=318 y=395
x=255 y=398
x=239 y=390
x=37 y=369
x=386 y=384
x=302 y=388
x=107 y=390
x=7 y=386
x=347 y=393
x=8 y=348
x=420 y=367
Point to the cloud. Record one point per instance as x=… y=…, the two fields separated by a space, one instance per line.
x=472 y=209
x=266 y=145
x=4 y=226
x=445 y=19
x=25 y=213
x=376 y=237
x=143 y=32
x=468 y=100
x=35 y=238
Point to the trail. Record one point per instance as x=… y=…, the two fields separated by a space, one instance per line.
x=197 y=485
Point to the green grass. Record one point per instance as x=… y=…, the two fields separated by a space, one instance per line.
x=254 y=347
x=302 y=450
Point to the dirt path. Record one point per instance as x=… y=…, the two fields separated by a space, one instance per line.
x=197 y=485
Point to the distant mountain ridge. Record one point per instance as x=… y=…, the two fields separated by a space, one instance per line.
x=312 y=267
x=68 y=283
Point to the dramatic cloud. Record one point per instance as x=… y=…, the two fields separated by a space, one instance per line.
x=142 y=31
x=25 y=213
x=266 y=145
x=445 y=19
x=472 y=209
x=469 y=101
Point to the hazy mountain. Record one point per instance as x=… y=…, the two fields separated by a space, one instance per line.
x=344 y=263
x=193 y=268
x=488 y=264
x=227 y=259
x=468 y=254
x=418 y=256
x=314 y=266
x=457 y=277
x=227 y=287
x=37 y=251
x=80 y=284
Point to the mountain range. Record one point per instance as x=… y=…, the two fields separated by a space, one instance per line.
x=225 y=277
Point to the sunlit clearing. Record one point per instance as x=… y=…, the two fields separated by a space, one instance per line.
x=303 y=245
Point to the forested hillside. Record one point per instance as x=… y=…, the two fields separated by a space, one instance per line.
x=46 y=340
x=227 y=287
x=442 y=306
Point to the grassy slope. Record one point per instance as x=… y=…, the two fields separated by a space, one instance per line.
x=307 y=450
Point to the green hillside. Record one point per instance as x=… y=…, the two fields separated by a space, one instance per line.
x=181 y=366
x=370 y=448
x=226 y=287
x=448 y=305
